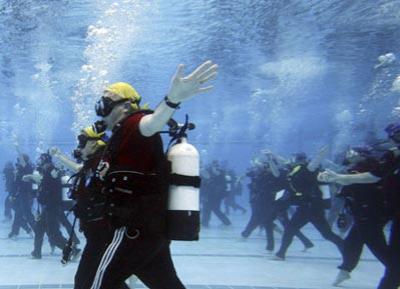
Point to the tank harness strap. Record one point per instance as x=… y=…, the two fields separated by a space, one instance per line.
x=181 y=180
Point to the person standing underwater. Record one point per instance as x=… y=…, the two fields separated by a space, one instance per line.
x=304 y=189
x=366 y=204
x=90 y=202
x=387 y=172
x=132 y=174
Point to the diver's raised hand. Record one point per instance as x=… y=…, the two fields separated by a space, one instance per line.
x=53 y=151
x=183 y=87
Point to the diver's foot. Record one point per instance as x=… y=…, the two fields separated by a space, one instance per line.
x=342 y=276
x=13 y=237
x=307 y=247
x=278 y=257
x=36 y=256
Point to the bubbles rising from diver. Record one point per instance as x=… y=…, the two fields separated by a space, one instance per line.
x=109 y=40
x=385 y=59
x=396 y=84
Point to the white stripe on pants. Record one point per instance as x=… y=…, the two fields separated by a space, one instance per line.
x=107 y=257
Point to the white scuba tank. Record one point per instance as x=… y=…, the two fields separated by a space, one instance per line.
x=183 y=218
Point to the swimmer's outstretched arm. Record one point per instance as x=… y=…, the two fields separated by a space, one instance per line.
x=182 y=88
x=70 y=164
x=347 y=179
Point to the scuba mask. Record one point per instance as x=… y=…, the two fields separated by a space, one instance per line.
x=105 y=105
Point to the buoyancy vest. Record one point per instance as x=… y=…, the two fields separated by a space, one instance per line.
x=135 y=197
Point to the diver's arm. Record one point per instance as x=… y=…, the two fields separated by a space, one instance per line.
x=182 y=88
x=348 y=179
x=35 y=177
x=153 y=123
x=274 y=168
x=70 y=164
x=314 y=164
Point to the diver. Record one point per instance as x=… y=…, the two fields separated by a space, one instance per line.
x=256 y=192
x=304 y=190
x=388 y=174
x=233 y=189
x=50 y=200
x=215 y=190
x=366 y=203
x=22 y=198
x=276 y=207
x=9 y=177
x=90 y=202
x=133 y=174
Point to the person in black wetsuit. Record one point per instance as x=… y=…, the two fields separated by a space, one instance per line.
x=367 y=205
x=274 y=208
x=9 y=178
x=233 y=188
x=214 y=192
x=50 y=200
x=22 y=198
x=90 y=202
x=305 y=192
x=388 y=172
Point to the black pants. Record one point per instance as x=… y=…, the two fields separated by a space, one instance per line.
x=304 y=214
x=147 y=256
x=213 y=205
x=48 y=223
x=256 y=218
x=98 y=236
x=230 y=202
x=391 y=278
x=279 y=211
x=67 y=225
x=23 y=217
x=368 y=233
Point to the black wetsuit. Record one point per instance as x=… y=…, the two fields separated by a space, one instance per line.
x=50 y=199
x=9 y=179
x=366 y=203
x=214 y=193
x=256 y=196
x=304 y=189
x=389 y=171
x=22 y=201
x=278 y=209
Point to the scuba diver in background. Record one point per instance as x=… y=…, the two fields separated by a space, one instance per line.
x=277 y=208
x=90 y=203
x=304 y=189
x=137 y=208
x=387 y=172
x=50 y=201
x=9 y=187
x=366 y=203
x=214 y=191
x=233 y=189
x=256 y=191
x=22 y=198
